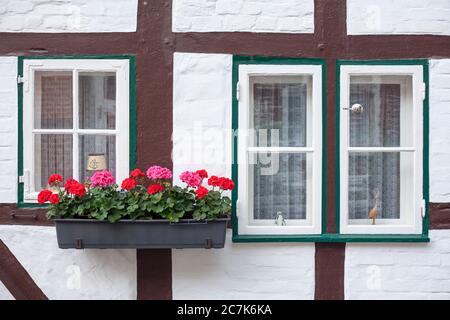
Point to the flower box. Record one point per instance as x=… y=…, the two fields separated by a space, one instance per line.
x=187 y=233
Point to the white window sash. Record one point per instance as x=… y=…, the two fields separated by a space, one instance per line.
x=409 y=222
x=244 y=203
x=121 y=132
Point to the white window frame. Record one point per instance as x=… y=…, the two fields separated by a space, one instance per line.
x=409 y=222
x=121 y=131
x=244 y=204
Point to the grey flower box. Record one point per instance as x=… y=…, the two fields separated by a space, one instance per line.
x=85 y=233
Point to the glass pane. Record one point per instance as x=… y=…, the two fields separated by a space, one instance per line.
x=97 y=99
x=52 y=154
x=53 y=100
x=380 y=185
x=385 y=120
x=100 y=151
x=280 y=186
x=279 y=116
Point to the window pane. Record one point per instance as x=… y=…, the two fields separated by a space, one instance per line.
x=53 y=100
x=280 y=185
x=280 y=105
x=381 y=181
x=53 y=154
x=103 y=148
x=97 y=100
x=386 y=119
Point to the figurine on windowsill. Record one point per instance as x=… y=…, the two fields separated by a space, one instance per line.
x=373 y=213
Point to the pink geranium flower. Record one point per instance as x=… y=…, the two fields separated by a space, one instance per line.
x=192 y=179
x=157 y=172
x=102 y=179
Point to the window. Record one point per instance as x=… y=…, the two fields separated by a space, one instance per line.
x=279 y=148
x=75 y=119
x=381 y=149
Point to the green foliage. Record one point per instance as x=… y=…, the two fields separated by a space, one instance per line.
x=112 y=204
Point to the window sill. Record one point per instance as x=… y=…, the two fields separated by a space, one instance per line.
x=332 y=238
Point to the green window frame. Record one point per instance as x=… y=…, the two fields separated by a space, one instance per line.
x=324 y=236
x=132 y=115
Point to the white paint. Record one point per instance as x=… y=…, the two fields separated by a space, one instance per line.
x=70 y=273
x=399 y=271
x=398 y=17
x=8 y=129
x=286 y=16
x=244 y=271
x=202 y=113
x=440 y=130
x=4 y=293
x=68 y=16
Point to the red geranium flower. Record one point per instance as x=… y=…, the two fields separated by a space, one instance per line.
x=128 y=184
x=69 y=184
x=227 y=184
x=201 y=192
x=54 y=198
x=78 y=189
x=202 y=173
x=155 y=188
x=55 y=178
x=213 y=181
x=44 y=195
x=137 y=173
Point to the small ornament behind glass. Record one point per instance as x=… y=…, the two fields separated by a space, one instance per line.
x=373 y=213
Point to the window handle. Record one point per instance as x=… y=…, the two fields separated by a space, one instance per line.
x=356 y=108
x=26 y=180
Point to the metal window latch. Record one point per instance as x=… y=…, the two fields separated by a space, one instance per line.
x=20 y=80
x=423 y=91
x=423 y=208
x=279 y=220
x=238 y=91
x=356 y=108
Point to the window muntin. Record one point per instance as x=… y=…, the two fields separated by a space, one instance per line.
x=279 y=149
x=381 y=150
x=70 y=109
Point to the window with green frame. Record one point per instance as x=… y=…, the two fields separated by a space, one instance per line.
x=382 y=150
x=67 y=119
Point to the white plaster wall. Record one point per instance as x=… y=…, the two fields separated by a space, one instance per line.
x=68 y=15
x=440 y=130
x=4 y=293
x=8 y=129
x=290 y=16
x=69 y=273
x=244 y=271
x=399 y=271
x=202 y=113
x=398 y=17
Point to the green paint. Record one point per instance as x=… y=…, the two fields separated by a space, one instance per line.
x=332 y=238
x=133 y=127
x=245 y=60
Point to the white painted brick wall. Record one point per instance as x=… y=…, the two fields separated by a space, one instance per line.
x=104 y=274
x=398 y=17
x=8 y=129
x=202 y=113
x=68 y=15
x=440 y=130
x=399 y=271
x=264 y=271
x=290 y=16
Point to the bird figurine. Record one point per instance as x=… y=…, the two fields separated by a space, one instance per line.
x=373 y=213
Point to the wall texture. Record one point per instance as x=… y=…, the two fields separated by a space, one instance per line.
x=398 y=17
x=245 y=271
x=293 y=16
x=439 y=130
x=71 y=274
x=68 y=16
x=202 y=113
x=399 y=271
x=8 y=129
